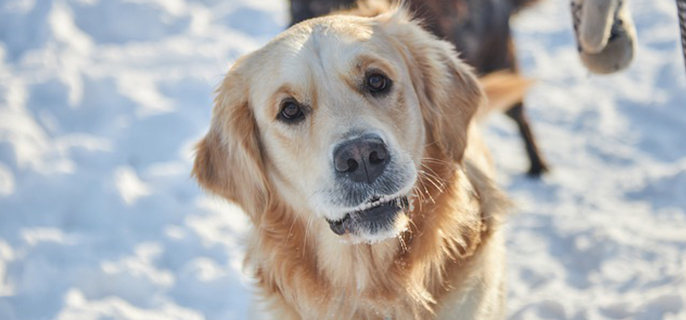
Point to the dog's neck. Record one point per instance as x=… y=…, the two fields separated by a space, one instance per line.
x=407 y=274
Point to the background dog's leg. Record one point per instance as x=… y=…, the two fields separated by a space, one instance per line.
x=505 y=91
x=517 y=113
x=538 y=165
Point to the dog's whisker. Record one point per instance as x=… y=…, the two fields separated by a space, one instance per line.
x=433 y=174
x=414 y=195
x=420 y=194
x=420 y=188
x=430 y=179
x=428 y=168
x=403 y=245
x=436 y=184
x=435 y=160
x=426 y=190
x=436 y=181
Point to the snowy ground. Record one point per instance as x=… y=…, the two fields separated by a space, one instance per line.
x=101 y=101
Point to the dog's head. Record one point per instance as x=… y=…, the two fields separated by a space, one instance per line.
x=334 y=117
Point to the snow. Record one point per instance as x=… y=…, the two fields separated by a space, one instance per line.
x=101 y=102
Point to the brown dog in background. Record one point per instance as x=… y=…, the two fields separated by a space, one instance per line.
x=479 y=29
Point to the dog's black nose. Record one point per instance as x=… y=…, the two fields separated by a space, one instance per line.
x=362 y=159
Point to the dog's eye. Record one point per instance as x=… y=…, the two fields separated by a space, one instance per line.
x=291 y=111
x=377 y=83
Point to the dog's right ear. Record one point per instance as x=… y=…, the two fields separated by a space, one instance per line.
x=228 y=160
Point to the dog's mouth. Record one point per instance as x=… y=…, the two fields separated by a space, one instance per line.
x=377 y=214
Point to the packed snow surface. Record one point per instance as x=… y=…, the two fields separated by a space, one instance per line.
x=101 y=102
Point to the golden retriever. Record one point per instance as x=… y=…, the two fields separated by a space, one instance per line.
x=349 y=142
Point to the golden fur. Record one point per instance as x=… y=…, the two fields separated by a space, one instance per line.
x=447 y=262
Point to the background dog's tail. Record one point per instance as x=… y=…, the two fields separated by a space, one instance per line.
x=503 y=90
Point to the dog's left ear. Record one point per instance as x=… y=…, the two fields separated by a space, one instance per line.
x=448 y=90
x=228 y=160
